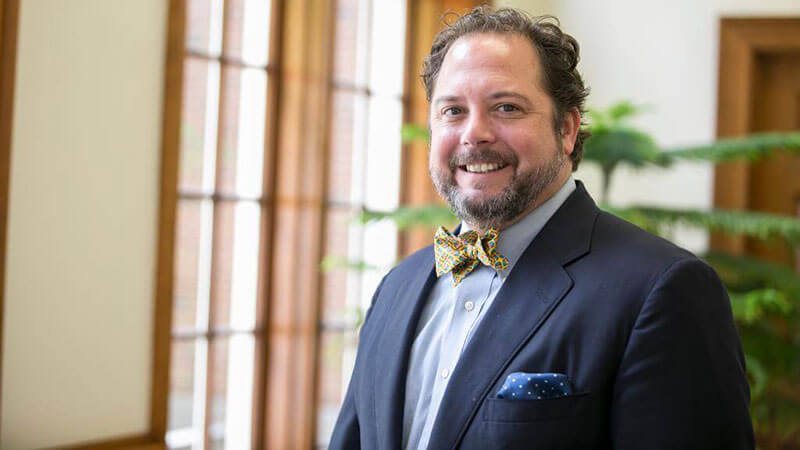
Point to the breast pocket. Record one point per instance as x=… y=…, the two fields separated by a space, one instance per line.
x=542 y=424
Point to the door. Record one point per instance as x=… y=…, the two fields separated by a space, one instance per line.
x=775 y=181
x=759 y=91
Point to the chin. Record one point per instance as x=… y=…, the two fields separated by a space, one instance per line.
x=479 y=200
x=473 y=194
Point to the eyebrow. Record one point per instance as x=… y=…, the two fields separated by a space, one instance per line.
x=494 y=96
x=446 y=99
x=503 y=94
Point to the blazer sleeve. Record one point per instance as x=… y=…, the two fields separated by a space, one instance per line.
x=346 y=432
x=681 y=382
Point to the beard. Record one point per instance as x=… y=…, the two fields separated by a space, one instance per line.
x=522 y=191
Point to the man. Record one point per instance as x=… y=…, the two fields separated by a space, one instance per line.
x=542 y=322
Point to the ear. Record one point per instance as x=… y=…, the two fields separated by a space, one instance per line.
x=569 y=129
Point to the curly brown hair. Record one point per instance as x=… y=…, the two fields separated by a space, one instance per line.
x=558 y=52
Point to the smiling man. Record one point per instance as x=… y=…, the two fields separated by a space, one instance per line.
x=541 y=321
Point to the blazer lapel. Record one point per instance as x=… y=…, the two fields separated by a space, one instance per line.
x=393 y=350
x=532 y=291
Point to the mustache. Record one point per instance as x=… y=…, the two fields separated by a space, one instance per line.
x=483 y=155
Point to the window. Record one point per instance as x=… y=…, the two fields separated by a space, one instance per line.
x=241 y=188
x=364 y=173
x=219 y=208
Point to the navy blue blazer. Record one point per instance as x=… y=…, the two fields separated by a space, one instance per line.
x=642 y=328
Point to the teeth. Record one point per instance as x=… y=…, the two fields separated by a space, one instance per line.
x=482 y=168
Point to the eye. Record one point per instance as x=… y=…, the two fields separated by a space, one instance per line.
x=507 y=108
x=451 y=111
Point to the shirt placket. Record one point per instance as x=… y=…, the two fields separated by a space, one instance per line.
x=462 y=317
x=468 y=300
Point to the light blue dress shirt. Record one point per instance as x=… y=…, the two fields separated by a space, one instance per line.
x=450 y=318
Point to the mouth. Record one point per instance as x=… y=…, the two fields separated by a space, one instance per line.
x=482 y=168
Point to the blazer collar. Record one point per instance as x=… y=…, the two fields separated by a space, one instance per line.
x=533 y=289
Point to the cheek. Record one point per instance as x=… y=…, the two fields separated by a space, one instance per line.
x=531 y=144
x=443 y=144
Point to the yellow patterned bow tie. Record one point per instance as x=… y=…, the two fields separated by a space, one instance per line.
x=461 y=254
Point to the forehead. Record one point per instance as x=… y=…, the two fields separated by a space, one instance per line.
x=485 y=57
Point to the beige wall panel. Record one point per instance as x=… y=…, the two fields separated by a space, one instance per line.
x=82 y=221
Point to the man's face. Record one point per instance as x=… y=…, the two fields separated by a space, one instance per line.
x=494 y=152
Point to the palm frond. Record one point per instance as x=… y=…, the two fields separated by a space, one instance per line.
x=741 y=274
x=749 y=147
x=333 y=262
x=759 y=376
x=756 y=224
x=614 y=116
x=754 y=305
x=428 y=216
x=413 y=133
x=622 y=145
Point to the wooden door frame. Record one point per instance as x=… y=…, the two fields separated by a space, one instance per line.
x=9 y=22
x=742 y=41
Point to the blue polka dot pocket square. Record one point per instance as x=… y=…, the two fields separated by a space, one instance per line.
x=535 y=386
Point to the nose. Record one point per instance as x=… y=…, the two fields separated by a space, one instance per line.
x=477 y=131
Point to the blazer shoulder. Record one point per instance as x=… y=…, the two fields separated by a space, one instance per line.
x=628 y=241
x=622 y=250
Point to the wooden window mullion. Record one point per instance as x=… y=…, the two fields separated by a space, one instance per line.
x=216 y=238
x=263 y=293
x=296 y=236
x=267 y=214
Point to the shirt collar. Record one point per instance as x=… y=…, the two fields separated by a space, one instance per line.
x=516 y=238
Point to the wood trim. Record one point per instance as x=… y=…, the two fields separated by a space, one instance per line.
x=170 y=148
x=134 y=442
x=264 y=288
x=217 y=224
x=323 y=140
x=742 y=40
x=9 y=22
x=297 y=230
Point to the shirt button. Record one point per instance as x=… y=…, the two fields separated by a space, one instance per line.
x=469 y=306
x=445 y=373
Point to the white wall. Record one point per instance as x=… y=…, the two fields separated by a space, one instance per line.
x=82 y=221
x=663 y=54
